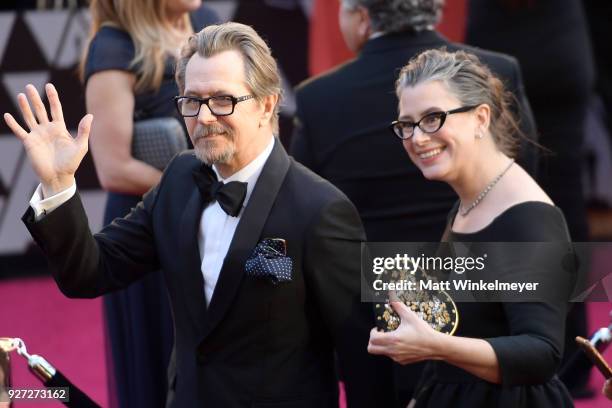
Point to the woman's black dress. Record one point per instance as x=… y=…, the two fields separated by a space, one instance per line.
x=527 y=337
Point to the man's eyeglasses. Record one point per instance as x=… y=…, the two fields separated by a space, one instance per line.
x=222 y=105
x=430 y=123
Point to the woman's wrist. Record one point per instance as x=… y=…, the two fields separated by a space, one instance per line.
x=438 y=346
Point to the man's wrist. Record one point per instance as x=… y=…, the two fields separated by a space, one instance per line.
x=51 y=188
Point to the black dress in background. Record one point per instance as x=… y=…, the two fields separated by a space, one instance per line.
x=138 y=319
x=551 y=41
x=527 y=337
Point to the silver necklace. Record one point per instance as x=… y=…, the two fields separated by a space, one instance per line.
x=484 y=192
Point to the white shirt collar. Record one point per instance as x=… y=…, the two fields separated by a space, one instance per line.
x=249 y=173
x=376 y=35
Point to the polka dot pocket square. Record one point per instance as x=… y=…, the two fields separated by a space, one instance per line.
x=269 y=260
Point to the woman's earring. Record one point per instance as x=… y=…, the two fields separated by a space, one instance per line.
x=481 y=132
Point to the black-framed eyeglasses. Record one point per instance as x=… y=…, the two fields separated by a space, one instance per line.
x=219 y=105
x=430 y=123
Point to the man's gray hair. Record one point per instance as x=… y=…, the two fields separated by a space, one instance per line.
x=392 y=16
x=261 y=71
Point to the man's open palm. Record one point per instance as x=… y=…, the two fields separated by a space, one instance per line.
x=55 y=155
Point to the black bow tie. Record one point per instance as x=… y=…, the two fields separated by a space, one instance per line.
x=230 y=196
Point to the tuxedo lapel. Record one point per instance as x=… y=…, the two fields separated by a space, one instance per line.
x=247 y=234
x=190 y=273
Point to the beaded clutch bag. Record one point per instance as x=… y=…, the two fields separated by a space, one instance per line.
x=436 y=307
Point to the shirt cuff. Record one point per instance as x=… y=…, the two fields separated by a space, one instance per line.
x=43 y=207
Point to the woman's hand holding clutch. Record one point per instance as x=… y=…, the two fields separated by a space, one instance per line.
x=414 y=340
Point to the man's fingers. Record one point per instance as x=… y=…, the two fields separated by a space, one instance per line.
x=15 y=127
x=54 y=103
x=26 y=112
x=37 y=104
x=83 y=131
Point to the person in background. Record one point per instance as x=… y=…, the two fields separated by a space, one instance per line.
x=128 y=73
x=456 y=126
x=607 y=389
x=342 y=117
x=550 y=39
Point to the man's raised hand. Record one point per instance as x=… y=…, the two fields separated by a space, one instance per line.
x=55 y=155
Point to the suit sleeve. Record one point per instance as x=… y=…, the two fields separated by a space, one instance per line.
x=529 y=153
x=300 y=147
x=334 y=267
x=86 y=265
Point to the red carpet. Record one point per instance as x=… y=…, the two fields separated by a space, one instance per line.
x=69 y=334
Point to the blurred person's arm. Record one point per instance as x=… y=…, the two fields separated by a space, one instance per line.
x=607 y=389
x=109 y=97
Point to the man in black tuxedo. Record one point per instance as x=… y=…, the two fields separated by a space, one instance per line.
x=342 y=121
x=261 y=257
x=343 y=116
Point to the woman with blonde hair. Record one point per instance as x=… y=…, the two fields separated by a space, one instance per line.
x=456 y=127
x=128 y=72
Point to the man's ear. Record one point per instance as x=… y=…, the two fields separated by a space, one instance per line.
x=268 y=104
x=365 y=23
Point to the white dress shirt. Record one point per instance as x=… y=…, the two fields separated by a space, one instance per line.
x=42 y=207
x=216 y=227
